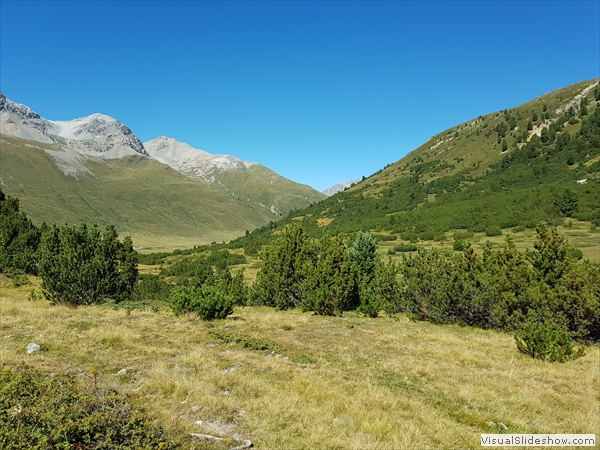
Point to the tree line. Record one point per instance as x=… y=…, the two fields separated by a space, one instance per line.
x=84 y=265
x=546 y=296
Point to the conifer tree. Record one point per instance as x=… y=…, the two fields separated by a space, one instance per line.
x=82 y=266
x=279 y=283
x=19 y=238
x=365 y=259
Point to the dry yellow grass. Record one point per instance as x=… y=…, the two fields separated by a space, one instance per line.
x=334 y=383
x=324 y=221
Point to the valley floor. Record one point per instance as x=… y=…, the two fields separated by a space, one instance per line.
x=323 y=383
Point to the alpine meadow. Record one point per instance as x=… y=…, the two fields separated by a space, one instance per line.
x=154 y=295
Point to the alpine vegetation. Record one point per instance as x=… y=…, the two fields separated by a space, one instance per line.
x=82 y=266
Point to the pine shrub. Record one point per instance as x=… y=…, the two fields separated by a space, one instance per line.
x=547 y=341
x=81 y=265
x=208 y=302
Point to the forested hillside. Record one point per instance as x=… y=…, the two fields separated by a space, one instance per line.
x=539 y=162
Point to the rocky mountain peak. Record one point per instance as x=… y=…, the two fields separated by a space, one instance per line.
x=97 y=134
x=192 y=162
x=16 y=108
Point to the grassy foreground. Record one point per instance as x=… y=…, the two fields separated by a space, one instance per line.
x=321 y=383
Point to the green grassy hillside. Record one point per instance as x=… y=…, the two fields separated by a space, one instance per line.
x=144 y=198
x=506 y=170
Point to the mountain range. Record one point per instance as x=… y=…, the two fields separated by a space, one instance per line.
x=94 y=169
x=539 y=161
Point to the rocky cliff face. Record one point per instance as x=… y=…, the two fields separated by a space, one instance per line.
x=193 y=163
x=96 y=135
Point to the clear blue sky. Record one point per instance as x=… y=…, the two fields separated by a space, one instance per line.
x=320 y=92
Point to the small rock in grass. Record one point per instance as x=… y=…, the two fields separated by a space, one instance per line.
x=33 y=347
x=121 y=372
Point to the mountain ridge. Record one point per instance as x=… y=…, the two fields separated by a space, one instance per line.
x=226 y=195
x=95 y=135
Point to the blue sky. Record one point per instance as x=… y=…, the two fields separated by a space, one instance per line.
x=320 y=92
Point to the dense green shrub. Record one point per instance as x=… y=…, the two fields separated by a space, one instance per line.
x=82 y=266
x=208 y=302
x=19 y=238
x=152 y=259
x=546 y=340
x=234 y=285
x=501 y=287
x=493 y=230
x=194 y=270
x=280 y=281
x=575 y=253
x=460 y=245
x=151 y=287
x=444 y=288
x=322 y=275
x=370 y=302
x=329 y=285
x=52 y=412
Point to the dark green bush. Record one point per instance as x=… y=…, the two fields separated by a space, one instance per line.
x=19 y=238
x=208 y=302
x=54 y=412
x=151 y=287
x=460 y=245
x=499 y=288
x=152 y=259
x=461 y=235
x=493 y=230
x=575 y=253
x=81 y=265
x=547 y=341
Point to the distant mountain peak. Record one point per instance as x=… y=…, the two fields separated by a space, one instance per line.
x=339 y=187
x=25 y=111
x=192 y=162
x=96 y=135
